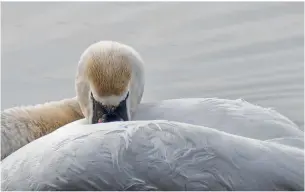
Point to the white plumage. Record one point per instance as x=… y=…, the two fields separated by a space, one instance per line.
x=151 y=155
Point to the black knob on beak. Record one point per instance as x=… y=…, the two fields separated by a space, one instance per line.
x=111 y=118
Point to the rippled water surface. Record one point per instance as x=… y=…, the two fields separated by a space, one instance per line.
x=253 y=51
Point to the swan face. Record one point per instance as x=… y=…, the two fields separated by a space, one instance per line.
x=109 y=82
x=109 y=109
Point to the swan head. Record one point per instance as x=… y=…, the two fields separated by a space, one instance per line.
x=109 y=82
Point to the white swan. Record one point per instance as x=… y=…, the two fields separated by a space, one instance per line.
x=105 y=96
x=113 y=73
x=151 y=155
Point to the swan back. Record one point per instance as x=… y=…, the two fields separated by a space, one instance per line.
x=151 y=155
x=232 y=116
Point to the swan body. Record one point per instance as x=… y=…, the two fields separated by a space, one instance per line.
x=232 y=116
x=152 y=155
x=22 y=125
x=237 y=117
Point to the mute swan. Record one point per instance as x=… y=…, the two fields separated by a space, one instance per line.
x=152 y=155
x=261 y=149
x=109 y=86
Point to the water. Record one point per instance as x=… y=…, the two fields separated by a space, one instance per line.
x=228 y=50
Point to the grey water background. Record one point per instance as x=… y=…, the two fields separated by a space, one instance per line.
x=253 y=51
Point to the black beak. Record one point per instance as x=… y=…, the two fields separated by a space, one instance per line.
x=104 y=114
x=110 y=118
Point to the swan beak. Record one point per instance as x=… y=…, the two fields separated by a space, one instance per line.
x=110 y=118
x=104 y=114
x=119 y=114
